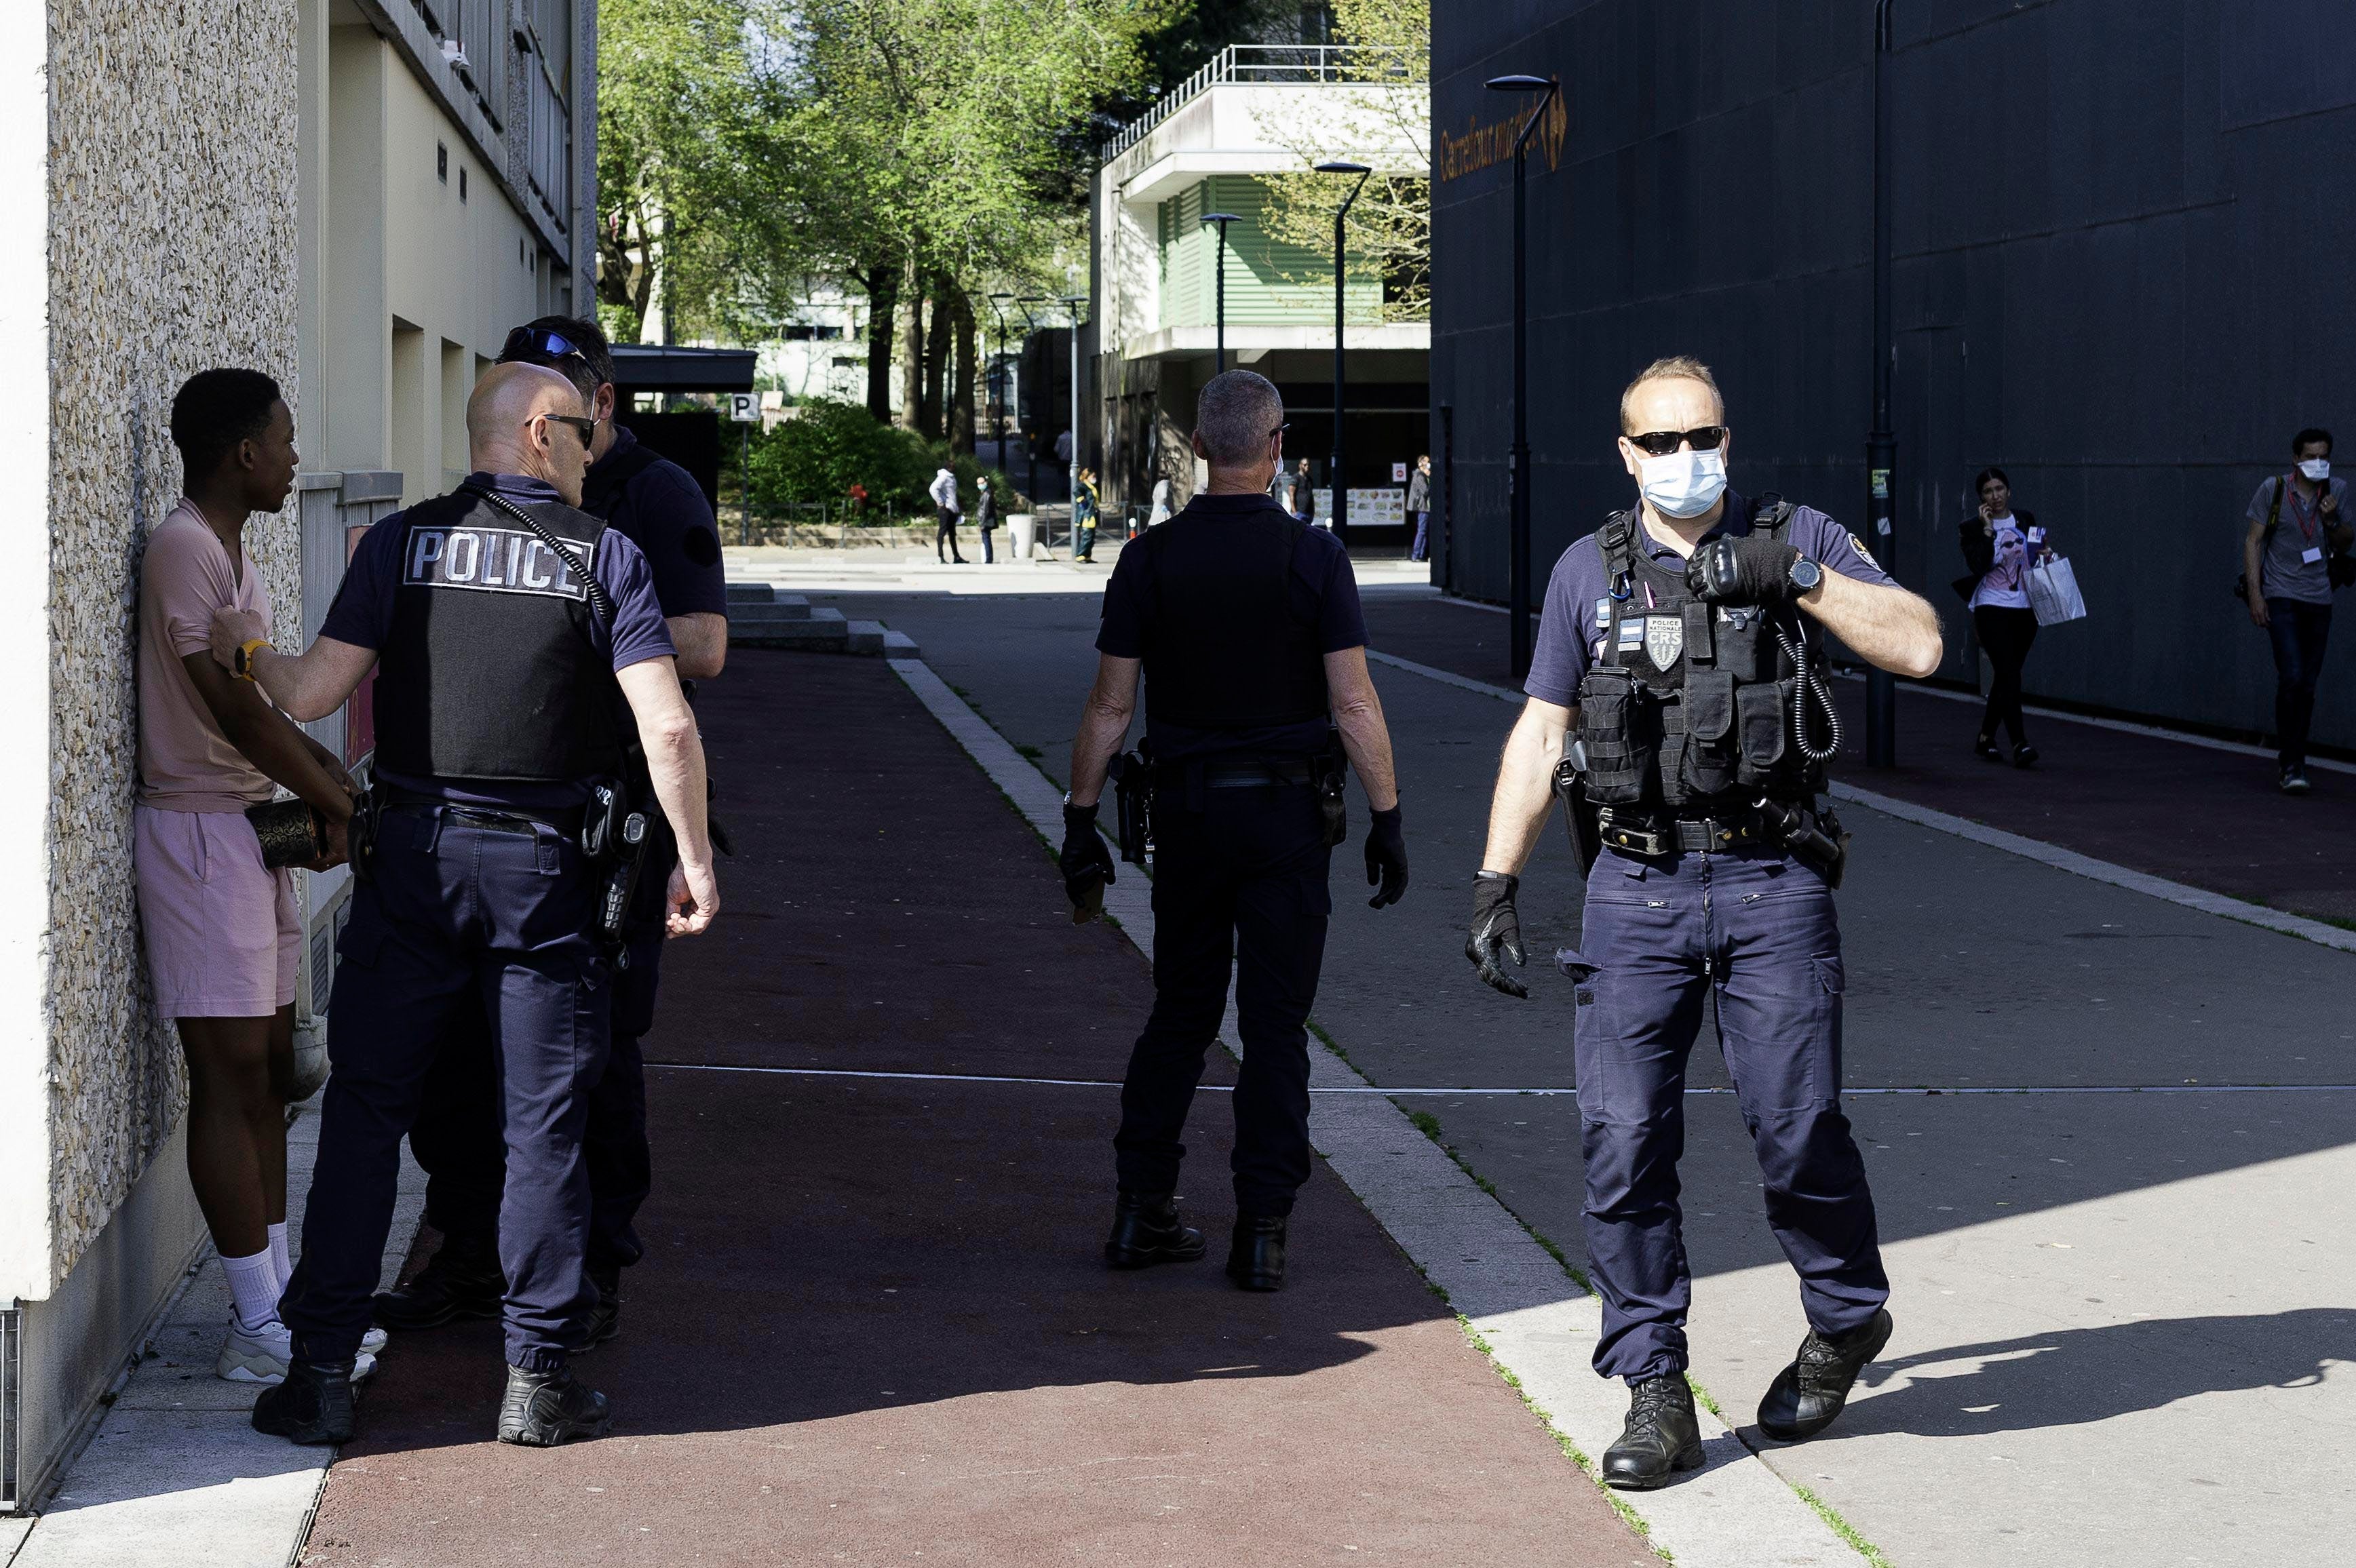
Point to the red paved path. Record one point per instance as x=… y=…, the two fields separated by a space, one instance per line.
x=872 y=1327
x=2192 y=814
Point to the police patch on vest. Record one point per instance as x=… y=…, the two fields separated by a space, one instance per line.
x=1665 y=639
x=489 y=559
x=1858 y=545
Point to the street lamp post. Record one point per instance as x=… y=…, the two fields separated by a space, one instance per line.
x=1071 y=304
x=1518 y=499
x=1881 y=444
x=1031 y=442
x=1338 y=487
x=998 y=406
x=1221 y=219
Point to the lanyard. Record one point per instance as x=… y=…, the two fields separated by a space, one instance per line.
x=2308 y=518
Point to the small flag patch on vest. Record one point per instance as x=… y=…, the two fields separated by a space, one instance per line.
x=494 y=561
x=1631 y=633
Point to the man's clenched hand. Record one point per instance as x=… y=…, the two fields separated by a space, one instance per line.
x=1496 y=931
x=1386 y=857
x=1752 y=569
x=1085 y=862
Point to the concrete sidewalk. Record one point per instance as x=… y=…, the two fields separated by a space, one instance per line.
x=873 y=1323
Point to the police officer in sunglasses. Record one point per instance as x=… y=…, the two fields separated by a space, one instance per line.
x=1678 y=667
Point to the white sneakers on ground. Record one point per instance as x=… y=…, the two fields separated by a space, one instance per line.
x=260 y=1355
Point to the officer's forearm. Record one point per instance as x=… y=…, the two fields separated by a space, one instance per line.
x=1886 y=625
x=1525 y=786
x=312 y=685
x=1104 y=725
x=675 y=762
x=1368 y=740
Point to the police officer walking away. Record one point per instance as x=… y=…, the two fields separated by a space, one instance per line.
x=516 y=638
x=658 y=506
x=1683 y=639
x=1247 y=628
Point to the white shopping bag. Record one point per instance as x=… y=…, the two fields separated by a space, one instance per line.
x=2053 y=591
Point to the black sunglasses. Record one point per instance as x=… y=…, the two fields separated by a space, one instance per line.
x=587 y=429
x=539 y=345
x=1661 y=443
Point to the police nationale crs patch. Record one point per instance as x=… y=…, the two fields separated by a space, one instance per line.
x=1858 y=545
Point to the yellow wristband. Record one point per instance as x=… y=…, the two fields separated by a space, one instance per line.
x=245 y=656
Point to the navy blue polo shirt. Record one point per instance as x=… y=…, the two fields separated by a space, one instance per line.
x=662 y=509
x=1324 y=594
x=1571 y=634
x=362 y=616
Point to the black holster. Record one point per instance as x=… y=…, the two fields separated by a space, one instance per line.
x=1329 y=773
x=360 y=833
x=1810 y=835
x=1133 y=798
x=614 y=837
x=1578 y=813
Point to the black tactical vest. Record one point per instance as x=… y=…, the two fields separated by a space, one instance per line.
x=488 y=671
x=1224 y=649
x=1692 y=706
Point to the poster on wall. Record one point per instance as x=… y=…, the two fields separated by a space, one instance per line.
x=1377 y=509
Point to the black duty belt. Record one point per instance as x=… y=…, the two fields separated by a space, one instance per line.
x=1237 y=775
x=1652 y=834
x=565 y=820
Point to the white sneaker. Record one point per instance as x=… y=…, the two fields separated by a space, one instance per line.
x=261 y=1357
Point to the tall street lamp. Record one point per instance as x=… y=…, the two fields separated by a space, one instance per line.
x=1340 y=487
x=997 y=405
x=1881 y=444
x=1221 y=219
x=1031 y=441
x=1518 y=498
x=1071 y=304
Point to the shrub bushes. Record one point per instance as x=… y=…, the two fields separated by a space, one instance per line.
x=829 y=447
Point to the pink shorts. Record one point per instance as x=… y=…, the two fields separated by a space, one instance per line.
x=222 y=941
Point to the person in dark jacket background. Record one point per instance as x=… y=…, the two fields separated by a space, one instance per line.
x=2001 y=542
x=985 y=517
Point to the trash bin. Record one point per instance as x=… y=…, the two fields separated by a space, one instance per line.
x=1021 y=528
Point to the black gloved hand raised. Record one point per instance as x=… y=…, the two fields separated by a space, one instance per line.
x=1386 y=857
x=1496 y=930
x=1752 y=569
x=1085 y=862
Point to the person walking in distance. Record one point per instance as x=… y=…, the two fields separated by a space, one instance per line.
x=945 y=506
x=1683 y=640
x=985 y=516
x=1246 y=626
x=2001 y=543
x=1304 y=493
x=2295 y=532
x=1419 y=508
x=1083 y=518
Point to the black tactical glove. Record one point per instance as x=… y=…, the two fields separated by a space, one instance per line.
x=1497 y=929
x=1386 y=857
x=1085 y=862
x=1752 y=569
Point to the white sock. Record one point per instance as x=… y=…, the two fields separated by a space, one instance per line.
x=253 y=1286
x=279 y=1262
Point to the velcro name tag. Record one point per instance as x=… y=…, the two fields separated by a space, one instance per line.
x=491 y=560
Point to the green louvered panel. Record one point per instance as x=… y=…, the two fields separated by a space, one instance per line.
x=1268 y=283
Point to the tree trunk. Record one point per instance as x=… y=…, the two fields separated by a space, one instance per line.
x=929 y=422
x=912 y=350
x=961 y=389
x=882 y=281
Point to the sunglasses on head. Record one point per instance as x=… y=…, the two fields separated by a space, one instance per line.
x=539 y=345
x=1661 y=443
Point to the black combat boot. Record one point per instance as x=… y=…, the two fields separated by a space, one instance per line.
x=461 y=1280
x=1662 y=1437
x=1255 y=1256
x=544 y=1409
x=1807 y=1395
x=1146 y=1230
x=606 y=1317
x=314 y=1404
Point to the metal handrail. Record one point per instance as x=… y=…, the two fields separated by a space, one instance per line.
x=1263 y=62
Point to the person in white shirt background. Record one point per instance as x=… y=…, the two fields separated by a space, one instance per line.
x=944 y=493
x=2001 y=542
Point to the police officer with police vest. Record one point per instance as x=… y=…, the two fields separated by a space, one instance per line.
x=1246 y=626
x=658 y=506
x=518 y=642
x=1679 y=666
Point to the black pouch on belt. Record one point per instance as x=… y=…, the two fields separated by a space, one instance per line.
x=1132 y=796
x=1329 y=770
x=614 y=837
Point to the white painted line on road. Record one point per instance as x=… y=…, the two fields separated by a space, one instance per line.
x=2044 y=854
x=1533 y=1318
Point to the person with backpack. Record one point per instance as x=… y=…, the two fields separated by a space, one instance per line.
x=2001 y=542
x=2294 y=552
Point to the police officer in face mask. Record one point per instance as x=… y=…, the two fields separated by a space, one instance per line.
x=516 y=638
x=1677 y=665
x=1246 y=625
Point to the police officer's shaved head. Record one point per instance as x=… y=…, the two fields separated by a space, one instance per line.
x=507 y=433
x=1235 y=415
x=1678 y=368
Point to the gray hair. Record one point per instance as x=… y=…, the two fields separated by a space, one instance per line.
x=1235 y=414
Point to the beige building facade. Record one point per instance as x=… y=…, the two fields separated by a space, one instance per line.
x=359 y=198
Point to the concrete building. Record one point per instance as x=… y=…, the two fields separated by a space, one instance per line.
x=2121 y=236
x=1150 y=341
x=359 y=198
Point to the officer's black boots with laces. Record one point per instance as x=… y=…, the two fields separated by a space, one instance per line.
x=1807 y=1395
x=544 y=1409
x=606 y=1317
x=1255 y=1256
x=314 y=1404
x=461 y=1280
x=1146 y=1230
x=1662 y=1437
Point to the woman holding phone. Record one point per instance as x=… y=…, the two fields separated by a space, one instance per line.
x=2001 y=542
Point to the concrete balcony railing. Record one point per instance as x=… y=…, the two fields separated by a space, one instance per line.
x=1265 y=63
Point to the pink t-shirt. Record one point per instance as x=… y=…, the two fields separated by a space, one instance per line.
x=186 y=763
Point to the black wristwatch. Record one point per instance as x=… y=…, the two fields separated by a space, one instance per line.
x=1805 y=575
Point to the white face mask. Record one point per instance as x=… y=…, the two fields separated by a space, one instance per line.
x=1683 y=484
x=2317 y=468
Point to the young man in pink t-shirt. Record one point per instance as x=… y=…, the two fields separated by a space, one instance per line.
x=221 y=935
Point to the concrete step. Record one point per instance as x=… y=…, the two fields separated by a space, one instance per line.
x=822 y=629
x=784 y=607
x=751 y=592
x=874 y=638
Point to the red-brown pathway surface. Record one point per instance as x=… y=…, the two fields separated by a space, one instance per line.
x=872 y=1326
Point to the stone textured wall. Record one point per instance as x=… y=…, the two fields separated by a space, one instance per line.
x=172 y=249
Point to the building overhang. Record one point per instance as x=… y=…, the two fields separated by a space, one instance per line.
x=1247 y=344
x=1175 y=172
x=673 y=367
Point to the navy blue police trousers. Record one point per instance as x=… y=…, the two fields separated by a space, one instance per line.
x=1240 y=885
x=1756 y=933
x=457 y=916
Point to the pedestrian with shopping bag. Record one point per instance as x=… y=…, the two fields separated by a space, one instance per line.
x=2003 y=547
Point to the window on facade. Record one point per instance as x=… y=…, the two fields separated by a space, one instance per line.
x=799 y=333
x=548 y=106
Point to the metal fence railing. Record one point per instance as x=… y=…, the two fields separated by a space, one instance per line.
x=1265 y=63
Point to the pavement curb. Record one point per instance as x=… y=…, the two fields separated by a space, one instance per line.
x=1534 y=1320
x=2035 y=849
